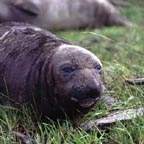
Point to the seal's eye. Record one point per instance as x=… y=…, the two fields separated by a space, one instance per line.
x=98 y=67
x=68 y=69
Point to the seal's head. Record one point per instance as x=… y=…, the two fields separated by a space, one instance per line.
x=77 y=78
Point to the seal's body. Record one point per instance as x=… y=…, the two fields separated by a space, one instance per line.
x=38 y=68
x=62 y=14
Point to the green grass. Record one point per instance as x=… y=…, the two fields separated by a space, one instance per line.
x=121 y=51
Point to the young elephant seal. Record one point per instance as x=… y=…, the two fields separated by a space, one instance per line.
x=37 y=67
x=62 y=14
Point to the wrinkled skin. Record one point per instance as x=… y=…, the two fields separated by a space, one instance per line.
x=38 y=68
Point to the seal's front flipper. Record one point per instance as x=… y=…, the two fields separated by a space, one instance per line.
x=27 y=7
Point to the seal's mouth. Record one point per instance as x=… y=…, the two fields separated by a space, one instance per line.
x=85 y=103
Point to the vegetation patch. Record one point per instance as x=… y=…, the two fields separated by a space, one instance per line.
x=121 y=51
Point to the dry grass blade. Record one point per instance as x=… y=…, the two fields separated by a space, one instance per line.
x=136 y=81
x=113 y=117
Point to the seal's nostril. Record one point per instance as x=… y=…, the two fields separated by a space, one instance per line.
x=86 y=92
x=93 y=93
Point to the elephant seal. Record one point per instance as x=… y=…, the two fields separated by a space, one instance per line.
x=55 y=76
x=16 y=10
x=62 y=14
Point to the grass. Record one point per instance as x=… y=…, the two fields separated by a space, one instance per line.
x=121 y=51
